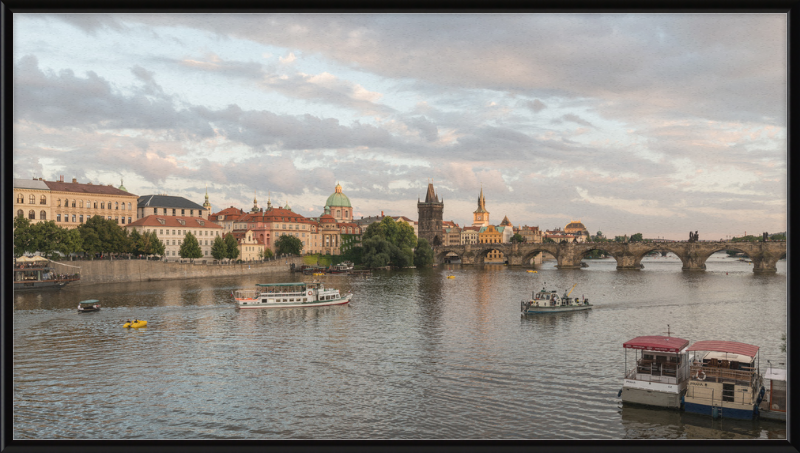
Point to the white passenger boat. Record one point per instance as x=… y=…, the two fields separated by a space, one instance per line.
x=289 y=295
x=659 y=373
x=725 y=380
x=549 y=302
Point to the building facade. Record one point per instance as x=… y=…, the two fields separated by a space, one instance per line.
x=430 y=213
x=226 y=218
x=172 y=231
x=339 y=206
x=167 y=205
x=72 y=204
x=32 y=200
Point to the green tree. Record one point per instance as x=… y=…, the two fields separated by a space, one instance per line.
x=101 y=235
x=518 y=238
x=190 y=248
x=231 y=247
x=46 y=237
x=71 y=242
x=621 y=238
x=218 y=249
x=778 y=237
x=547 y=240
x=23 y=236
x=400 y=234
x=157 y=246
x=288 y=245
x=135 y=242
x=423 y=254
x=268 y=254
x=636 y=238
x=377 y=252
x=354 y=254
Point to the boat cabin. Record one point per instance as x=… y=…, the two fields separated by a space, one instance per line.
x=658 y=372
x=773 y=406
x=725 y=380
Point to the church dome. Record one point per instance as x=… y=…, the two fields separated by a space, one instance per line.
x=573 y=226
x=338 y=199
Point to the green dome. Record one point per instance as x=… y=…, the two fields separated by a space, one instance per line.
x=338 y=199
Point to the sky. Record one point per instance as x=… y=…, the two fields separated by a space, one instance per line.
x=657 y=124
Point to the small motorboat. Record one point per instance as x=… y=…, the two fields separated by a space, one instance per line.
x=549 y=302
x=86 y=306
x=136 y=323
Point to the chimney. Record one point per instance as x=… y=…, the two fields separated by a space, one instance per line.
x=381 y=213
x=61 y=178
x=40 y=179
x=74 y=180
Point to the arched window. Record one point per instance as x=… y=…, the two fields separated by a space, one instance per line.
x=20 y=198
x=80 y=203
x=123 y=205
x=116 y=205
x=129 y=206
x=102 y=205
x=31 y=214
x=95 y=204
x=59 y=202
x=73 y=203
x=43 y=200
x=88 y=204
x=32 y=199
x=20 y=213
x=43 y=215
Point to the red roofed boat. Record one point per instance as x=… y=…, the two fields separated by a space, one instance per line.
x=660 y=371
x=725 y=380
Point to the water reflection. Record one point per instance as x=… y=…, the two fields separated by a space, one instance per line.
x=414 y=356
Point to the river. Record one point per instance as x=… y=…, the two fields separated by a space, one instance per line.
x=414 y=356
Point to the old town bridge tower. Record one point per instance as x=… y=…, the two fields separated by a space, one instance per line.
x=429 y=224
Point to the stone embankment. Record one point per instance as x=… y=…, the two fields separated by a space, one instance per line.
x=123 y=271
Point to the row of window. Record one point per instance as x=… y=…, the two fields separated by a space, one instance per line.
x=31 y=199
x=90 y=204
x=174 y=212
x=75 y=218
x=183 y=232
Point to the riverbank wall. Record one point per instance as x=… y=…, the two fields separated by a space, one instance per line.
x=122 y=271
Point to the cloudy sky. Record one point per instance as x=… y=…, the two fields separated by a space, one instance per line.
x=651 y=123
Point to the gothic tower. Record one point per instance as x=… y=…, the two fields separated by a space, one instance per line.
x=481 y=215
x=429 y=224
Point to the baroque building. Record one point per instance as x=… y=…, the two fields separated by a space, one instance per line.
x=430 y=213
x=74 y=203
x=171 y=230
x=32 y=200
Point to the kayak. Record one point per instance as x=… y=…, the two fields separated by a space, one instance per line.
x=136 y=324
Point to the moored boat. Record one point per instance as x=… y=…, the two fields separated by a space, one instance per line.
x=290 y=295
x=549 y=302
x=660 y=371
x=86 y=306
x=725 y=380
x=773 y=406
x=38 y=274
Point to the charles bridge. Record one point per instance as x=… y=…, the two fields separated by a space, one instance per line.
x=629 y=255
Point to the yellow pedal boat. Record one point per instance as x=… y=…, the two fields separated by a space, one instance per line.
x=451 y=276
x=532 y=272
x=136 y=324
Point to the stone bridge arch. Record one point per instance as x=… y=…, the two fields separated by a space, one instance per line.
x=529 y=253
x=677 y=250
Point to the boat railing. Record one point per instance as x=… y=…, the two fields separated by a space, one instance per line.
x=655 y=373
x=715 y=374
x=246 y=294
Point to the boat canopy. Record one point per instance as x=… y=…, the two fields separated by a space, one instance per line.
x=90 y=301
x=657 y=343
x=281 y=284
x=725 y=346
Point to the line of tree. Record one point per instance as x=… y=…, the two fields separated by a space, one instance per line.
x=225 y=248
x=98 y=236
x=391 y=243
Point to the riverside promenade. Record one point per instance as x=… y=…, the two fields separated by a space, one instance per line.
x=135 y=270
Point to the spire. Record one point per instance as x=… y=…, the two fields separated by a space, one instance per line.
x=431 y=197
x=269 y=203
x=206 y=204
x=255 y=203
x=121 y=186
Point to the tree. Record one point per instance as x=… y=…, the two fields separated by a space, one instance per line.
x=103 y=235
x=400 y=234
x=547 y=240
x=268 y=254
x=190 y=248
x=135 y=242
x=423 y=254
x=71 y=242
x=157 y=246
x=377 y=252
x=636 y=238
x=231 y=247
x=46 y=237
x=23 y=236
x=354 y=254
x=218 y=249
x=436 y=241
x=288 y=245
x=518 y=238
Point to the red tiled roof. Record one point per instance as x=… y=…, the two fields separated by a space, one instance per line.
x=227 y=212
x=172 y=221
x=725 y=346
x=657 y=343
x=274 y=215
x=87 y=188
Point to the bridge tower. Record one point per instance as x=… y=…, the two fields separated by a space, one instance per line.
x=429 y=224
